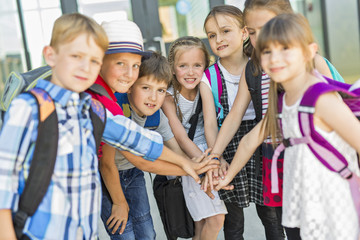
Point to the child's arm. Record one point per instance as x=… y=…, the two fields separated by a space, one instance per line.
x=164 y=168
x=110 y=176
x=174 y=146
x=124 y=134
x=233 y=120
x=16 y=137
x=6 y=227
x=322 y=66
x=331 y=113
x=210 y=121
x=188 y=146
x=246 y=148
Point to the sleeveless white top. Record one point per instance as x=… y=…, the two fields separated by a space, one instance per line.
x=315 y=199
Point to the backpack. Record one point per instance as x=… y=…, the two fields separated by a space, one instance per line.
x=44 y=156
x=20 y=82
x=319 y=146
x=213 y=75
x=152 y=122
x=254 y=87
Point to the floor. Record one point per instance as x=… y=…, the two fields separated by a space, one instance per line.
x=253 y=227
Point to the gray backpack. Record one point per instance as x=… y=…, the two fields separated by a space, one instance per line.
x=20 y=82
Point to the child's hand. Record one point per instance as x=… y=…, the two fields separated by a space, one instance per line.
x=208 y=190
x=224 y=184
x=118 y=217
x=224 y=166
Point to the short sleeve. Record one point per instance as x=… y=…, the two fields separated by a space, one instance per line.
x=164 y=128
x=205 y=80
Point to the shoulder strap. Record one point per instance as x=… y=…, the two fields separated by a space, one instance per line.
x=213 y=75
x=43 y=162
x=194 y=119
x=334 y=73
x=153 y=121
x=123 y=101
x=98 y=118
x=97 y=88
x=254 y=87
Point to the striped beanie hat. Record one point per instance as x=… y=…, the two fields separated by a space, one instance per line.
x=124 y=37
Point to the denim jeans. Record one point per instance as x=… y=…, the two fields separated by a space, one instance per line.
x=234 y=222
x=140 y=224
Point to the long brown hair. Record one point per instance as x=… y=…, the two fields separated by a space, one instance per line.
x=237 y=15
x=275 y=6
x=179 y=44
x=286 y=30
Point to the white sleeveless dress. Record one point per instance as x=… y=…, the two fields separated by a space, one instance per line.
x=199 y=204
x=315 y=199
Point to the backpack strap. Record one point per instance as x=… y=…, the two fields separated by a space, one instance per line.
x=213 y=75
x=334 y=73
x=254 y=87
x=98 y=119
x=194 y=119
x=97 y=88
x=43 y=162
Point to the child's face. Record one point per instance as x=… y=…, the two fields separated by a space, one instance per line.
x=255 y=20
x=120 y=70
x=189 y=66
x=225 y=36
x=75 y=64
x=283 y=63
x=147 y=95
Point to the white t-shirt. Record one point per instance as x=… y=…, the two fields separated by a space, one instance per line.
x=232 y=86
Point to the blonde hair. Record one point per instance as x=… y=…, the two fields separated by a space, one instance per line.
x=275 y=6
x=179 y=44
x=69 y=26
x=234 y=13
x=286 y=30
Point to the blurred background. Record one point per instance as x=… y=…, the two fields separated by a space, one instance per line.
x=26 y=25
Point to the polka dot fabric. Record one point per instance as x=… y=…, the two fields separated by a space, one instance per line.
x=271 y=199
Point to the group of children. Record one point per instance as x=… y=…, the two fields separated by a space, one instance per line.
x=151 y=103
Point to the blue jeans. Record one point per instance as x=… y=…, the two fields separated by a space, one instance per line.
x=140 y=224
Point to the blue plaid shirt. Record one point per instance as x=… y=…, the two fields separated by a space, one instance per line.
x=72 y=202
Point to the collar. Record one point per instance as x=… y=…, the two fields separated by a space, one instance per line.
x=64 y=96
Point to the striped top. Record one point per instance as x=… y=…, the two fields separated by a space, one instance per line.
x=265 y=86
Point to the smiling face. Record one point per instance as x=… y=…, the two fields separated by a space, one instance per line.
x=255 y=20
x=225 y=35
x=147 y=95
x=283 y=63
x=76 y=64
x=189 y=66
x=120 y=70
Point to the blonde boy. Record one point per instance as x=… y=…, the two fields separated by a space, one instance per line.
x=71 y=205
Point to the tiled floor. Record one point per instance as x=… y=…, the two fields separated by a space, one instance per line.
x=253 y=227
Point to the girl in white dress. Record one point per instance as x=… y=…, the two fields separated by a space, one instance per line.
x=317 y=203
x=188 y=57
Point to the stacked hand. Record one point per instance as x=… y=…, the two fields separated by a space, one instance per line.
x=215 y=179
x=200 y=165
